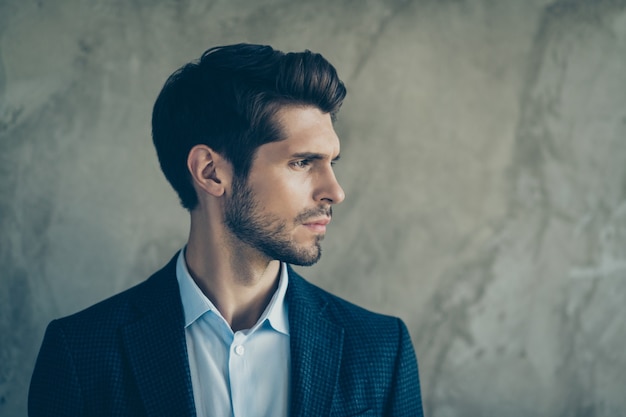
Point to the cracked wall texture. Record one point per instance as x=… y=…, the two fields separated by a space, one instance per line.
x=484 y=161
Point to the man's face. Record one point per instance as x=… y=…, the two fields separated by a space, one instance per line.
x=283 y=207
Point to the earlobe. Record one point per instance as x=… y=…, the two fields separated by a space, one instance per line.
x=202 y=163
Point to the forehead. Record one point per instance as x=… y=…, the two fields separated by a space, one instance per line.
x=305 y=129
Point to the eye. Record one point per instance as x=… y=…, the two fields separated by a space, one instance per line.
x=301 y=163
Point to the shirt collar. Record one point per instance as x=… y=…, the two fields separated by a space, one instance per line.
x=196 y=304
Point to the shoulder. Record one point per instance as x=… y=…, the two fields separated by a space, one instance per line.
x=377 y=357
x=105 y=317
x=357 y=322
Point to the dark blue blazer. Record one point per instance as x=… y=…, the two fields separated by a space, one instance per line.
x=127 y=356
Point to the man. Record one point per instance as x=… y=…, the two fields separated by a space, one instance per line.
x=227 y=328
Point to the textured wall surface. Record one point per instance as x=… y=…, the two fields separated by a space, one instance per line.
x=484 y=162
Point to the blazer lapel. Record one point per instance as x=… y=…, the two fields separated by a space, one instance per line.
x=157 y=350
x=316 y=349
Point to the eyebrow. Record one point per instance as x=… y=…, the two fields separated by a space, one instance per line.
x=314 y=156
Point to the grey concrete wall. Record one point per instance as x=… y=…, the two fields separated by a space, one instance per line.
x=484 y=159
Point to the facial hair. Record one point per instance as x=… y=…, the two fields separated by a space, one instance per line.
x=266 y=232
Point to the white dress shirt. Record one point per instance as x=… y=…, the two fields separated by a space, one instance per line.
x=241 y=374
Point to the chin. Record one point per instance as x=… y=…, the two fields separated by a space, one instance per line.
x=302 y=256
x=311 y=257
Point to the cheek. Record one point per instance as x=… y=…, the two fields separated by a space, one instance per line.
x=285 y=202
x=285 y=194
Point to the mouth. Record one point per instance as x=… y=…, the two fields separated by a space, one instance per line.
x=317 y=225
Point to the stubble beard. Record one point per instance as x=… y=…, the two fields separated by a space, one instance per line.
x=266 y=232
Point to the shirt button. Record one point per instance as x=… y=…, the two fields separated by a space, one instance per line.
x=240 y=350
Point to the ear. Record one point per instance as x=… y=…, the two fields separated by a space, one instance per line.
x=208 y=169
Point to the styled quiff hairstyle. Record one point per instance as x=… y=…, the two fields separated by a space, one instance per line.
x=228 y=100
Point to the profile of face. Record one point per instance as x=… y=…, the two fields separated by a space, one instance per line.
x=284 y=205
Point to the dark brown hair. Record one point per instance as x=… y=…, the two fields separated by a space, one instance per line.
x=227 y=100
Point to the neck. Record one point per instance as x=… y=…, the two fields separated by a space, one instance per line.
x=237 y=280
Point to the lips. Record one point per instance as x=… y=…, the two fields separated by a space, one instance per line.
x=317 y=225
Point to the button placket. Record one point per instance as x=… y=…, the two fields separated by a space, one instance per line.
x=237 y=367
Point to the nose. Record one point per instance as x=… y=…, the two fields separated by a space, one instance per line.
x=329 y=190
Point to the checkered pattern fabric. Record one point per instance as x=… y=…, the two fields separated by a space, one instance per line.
x=126 y=356
x=347 y=361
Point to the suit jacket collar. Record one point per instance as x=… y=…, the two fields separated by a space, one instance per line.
x=156 y=347
x=316 y=347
